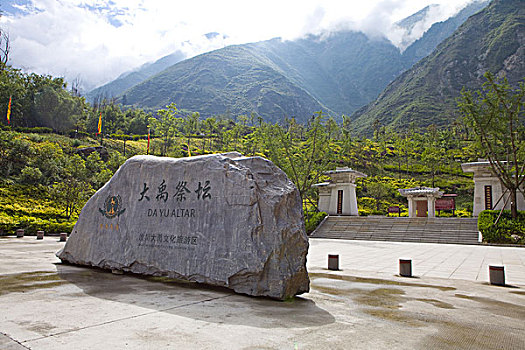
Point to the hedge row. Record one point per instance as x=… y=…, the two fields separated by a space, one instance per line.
x=507 y=229
x=35 y=130
x=8 y=226
x=312 y=220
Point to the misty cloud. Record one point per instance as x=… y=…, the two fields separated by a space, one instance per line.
x=97 y=40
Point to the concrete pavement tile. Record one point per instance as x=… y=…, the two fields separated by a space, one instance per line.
x=368 y=307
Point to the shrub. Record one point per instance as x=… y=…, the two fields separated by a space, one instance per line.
x=507 y=230
x=78 y=134
x=121 y=137
x=313 y=220
x=140 y=137
x=35 y=137
x=365 y=212
x=31 y=224
x=463 y=213
x=30 y=175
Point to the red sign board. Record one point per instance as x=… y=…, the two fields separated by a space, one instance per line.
x=445 y=204
x=394 y=209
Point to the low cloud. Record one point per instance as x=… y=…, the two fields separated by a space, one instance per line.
x=97 y=40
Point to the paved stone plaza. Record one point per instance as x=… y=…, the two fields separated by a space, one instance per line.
x=455 y=261
x=449 y=305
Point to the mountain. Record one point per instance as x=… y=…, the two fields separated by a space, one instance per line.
x=234 y=81
x=343 y=71
x=411 y=21
x=491 y=40
x=410 y=24
x=440 y=31
x=338 y=73
x=129 y=79
x=275 y=78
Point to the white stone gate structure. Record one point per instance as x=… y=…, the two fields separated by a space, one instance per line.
x=421 y=201
x=489 y=193
x=337 y=196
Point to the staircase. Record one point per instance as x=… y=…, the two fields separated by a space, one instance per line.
x=401 y=229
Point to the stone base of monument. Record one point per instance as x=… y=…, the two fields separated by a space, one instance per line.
x=222 y=219
x=39 y=234
x=497 y=275
x=405 y=267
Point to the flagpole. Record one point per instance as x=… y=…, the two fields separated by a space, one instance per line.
x=147 y=151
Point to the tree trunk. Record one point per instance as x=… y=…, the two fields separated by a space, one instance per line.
x=513 y=203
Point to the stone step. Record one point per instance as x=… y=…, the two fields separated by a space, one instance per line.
x=429 y=230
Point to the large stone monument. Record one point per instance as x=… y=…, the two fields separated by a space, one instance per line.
x=220 y=219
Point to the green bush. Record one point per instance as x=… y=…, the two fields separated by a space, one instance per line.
x=31 y=224
x=121 y=137
x=507 y=230
x=141 y=137
x=463 y=213
x=365 y=212
x=78 y=134
x=30 y=175
x=313 y=220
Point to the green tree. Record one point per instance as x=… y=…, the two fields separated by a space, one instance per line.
x=15 y=154
x=190 y=127
x=137 y=122
x=165 y=125
x=432 y=155
x=496 y=118
x=49 y=160
x=304 y=157
x=97 y=172
x=74 y=189
x=378 y=191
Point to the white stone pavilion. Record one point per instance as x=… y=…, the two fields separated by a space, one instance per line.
x=337 y=196
x=421 y=201
x=489 y=193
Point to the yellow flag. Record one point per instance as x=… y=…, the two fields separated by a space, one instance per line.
x=9 y=111
x=100 y=123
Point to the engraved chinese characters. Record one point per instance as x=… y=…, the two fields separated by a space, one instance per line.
x=202 y=192
x=223 y=220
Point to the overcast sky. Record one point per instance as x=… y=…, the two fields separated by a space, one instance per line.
x=97 y=40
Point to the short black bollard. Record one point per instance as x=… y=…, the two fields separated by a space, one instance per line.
x=20 y=233
x=63 y=237
x=333 y=262
x=497 y=275
x=39 y=234
x=405 y=267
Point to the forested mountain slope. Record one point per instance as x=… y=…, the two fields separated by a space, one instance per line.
x=492 y=40
x=132 y=78
x=338 y=73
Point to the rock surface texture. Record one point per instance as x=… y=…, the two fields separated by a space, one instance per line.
x=221 y=219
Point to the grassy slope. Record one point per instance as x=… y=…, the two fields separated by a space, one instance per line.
x=33 y=208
